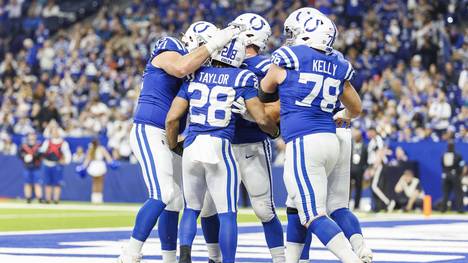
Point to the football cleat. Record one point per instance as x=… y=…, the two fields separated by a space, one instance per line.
x=365 y=254
x=185 y=254
x=126 y=257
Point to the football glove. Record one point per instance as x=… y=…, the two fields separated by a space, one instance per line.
x=238 y=106
x=223 y=36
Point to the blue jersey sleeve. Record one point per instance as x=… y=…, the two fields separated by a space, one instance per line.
x=183 y=91
x=349 y=72
x=285 y=57
x=247 y=82
x=169 y=44
x=259 y=65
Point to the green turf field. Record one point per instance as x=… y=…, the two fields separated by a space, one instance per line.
x=17 y=216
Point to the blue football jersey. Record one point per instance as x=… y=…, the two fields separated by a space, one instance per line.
x=310 y=92
x=158 y=88
x=211 y=92
x=247 y=131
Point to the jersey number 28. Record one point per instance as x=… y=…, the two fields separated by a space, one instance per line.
x=328 y=102
x=211 y=97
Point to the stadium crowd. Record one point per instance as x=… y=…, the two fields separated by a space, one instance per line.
x=410 y=57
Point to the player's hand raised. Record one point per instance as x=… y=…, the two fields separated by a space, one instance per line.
x=223 y=36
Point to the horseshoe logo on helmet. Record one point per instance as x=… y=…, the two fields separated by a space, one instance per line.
x=297 y=16
x=314 y=27
x=262 y=23
x=201 y=30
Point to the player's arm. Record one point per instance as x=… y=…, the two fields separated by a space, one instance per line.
x=179 y=65
x=272 y=109
x=257 y=110
x=176 y=112
x=268 y=91
x=173 y=63
x=352 y=102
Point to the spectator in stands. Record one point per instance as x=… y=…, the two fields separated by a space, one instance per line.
x=31 y=158
x=358 y=165
x=408 y=192
x=439 y=113
x=48 y=113
x=7 y=146
x=56 y=153
x=23 y=126
x=95 y=161
x=14 y=9
x=79 y=155
x=453 y=169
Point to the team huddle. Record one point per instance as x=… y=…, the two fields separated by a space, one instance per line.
x=208 y=107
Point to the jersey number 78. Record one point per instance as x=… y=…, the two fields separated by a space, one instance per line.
x=328 y=101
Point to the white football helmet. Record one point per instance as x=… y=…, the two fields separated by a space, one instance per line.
x=233 y=53
x=258 y=30
x=198 y=34
x=308 y=26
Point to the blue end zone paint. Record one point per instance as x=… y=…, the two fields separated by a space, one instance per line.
x=56 y=241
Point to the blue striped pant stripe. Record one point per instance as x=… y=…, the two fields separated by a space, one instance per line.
x=236 y=177
x=228 y=180
x=145 y=164
x=298 y=181
x=306 y=177
x=152 y=163
x=267 y=149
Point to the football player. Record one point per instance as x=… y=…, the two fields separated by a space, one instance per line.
x=209 y=165
x=252 y=150
x=169 y=62
x=309 y=78
x=339 y=181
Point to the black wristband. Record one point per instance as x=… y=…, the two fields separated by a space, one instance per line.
x=268 y=97
x=179 y=148
x=278 y=134
x=291 y=211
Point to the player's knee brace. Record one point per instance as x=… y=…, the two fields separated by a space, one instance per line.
x=263 y=207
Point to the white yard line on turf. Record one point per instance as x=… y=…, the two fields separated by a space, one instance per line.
x=89 y=207
x=62 y=215
x=87 y=230
x=363 y=217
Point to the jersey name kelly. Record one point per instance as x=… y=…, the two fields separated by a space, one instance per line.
x=211 y=78
x=324 y=67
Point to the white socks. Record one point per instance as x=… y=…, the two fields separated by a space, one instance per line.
x=356 y=240
x=340 y=246
x=134 y=246
x=293 y=252
x=277 y=255
x=214 y=252
x=169 y=256
x=96 y=198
